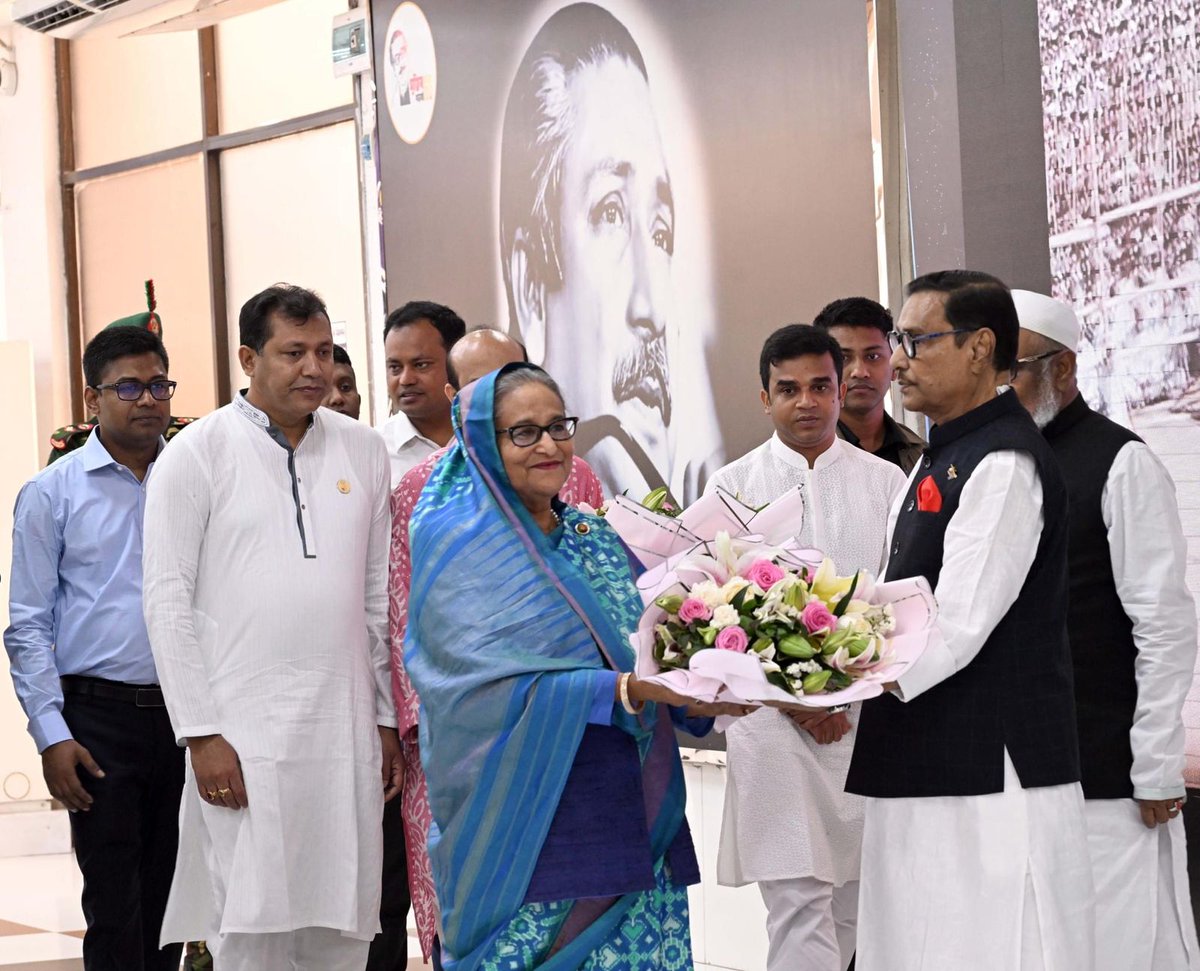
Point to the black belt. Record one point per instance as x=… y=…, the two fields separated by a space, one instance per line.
x=139 y=695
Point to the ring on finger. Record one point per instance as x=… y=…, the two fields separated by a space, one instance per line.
x=224 y=792
x=210 y=794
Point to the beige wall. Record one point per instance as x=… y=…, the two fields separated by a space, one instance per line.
x=270 y=239
x=20 y=767
x=30 y=230
x=162 y=220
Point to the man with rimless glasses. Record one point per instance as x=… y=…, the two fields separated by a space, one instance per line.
x=80 y=654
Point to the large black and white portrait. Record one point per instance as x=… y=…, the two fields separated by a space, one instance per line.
x=616 y=185
x=587 y=243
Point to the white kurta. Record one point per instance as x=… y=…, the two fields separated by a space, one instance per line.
x=1144 y=916
x=406 y=446
x=777 y=770
x=1000 y=882
x=266 y=603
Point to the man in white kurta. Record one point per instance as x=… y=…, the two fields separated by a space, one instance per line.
x=266 y=601
x=1132 y=627
x=974 y=847
x=807 y=867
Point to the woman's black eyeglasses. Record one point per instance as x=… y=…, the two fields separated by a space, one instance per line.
x=526 y=436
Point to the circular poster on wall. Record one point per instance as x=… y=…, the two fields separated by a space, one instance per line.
x=409 y=72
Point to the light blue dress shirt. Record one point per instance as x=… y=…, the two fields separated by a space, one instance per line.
x=75 y=603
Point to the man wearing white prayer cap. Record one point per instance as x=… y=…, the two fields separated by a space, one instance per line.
x=1132 y=629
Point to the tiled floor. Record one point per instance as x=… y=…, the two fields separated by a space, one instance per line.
x=41 y=924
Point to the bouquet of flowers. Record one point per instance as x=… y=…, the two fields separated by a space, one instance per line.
x=736 y=611
x=810 y=630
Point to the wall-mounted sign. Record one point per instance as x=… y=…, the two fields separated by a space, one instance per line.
x=351 y=43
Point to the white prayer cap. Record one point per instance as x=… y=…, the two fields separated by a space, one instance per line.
x=1049 y=317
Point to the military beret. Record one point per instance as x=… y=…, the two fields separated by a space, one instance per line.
x=147 y=320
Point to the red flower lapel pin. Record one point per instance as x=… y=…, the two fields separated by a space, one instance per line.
x=929 y=497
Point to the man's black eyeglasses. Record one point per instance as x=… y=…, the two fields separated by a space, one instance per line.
x=526 y=436
x=902 y=338
x=133 y=390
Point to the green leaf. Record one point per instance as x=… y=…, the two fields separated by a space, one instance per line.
x=845 y=601
x=779 y=679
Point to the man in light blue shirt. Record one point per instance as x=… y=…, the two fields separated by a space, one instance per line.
x=80 y=655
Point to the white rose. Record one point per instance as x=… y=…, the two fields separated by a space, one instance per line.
x=709 y=593
x=724 y=616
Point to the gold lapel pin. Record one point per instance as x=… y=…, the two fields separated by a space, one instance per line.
x=952 y=472
x=343 y=487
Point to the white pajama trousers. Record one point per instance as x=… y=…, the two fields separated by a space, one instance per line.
x=306 y=949
x=1000 y=882
x=810 y=924
x=1143 y=906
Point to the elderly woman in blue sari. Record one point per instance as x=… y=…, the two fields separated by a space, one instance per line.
x=558 y=837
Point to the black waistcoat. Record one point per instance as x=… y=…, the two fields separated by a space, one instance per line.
x=1100 y=632
x=1016 y=694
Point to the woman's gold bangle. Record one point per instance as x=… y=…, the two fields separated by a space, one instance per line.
x=623 y=687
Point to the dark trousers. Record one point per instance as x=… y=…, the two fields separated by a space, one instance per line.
x=126 y=843
x=1191 y=827
x=389 y=950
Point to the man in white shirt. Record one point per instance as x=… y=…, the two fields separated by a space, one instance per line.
x=416 y=340
x=1132 y=628
x=266 y=560
x=974 y=847
x=788 y=823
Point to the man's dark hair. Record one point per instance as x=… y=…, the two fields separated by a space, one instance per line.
x=452 y=375
x=341 y=357
x=538 y=123
x=290 y=302
x=116 y=342
x=797 y=340
x=974 y=301
x=447 y=323
x=855 y=312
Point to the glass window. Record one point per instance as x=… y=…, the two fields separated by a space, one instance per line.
x=276 y=63
x=151 y=224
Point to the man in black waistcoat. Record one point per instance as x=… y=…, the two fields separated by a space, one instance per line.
x=974 y=848
x=1132 y=630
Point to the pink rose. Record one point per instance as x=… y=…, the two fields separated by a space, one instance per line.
x=764 y=573
x=816 y=617
x=693 y=609
x=733 y=639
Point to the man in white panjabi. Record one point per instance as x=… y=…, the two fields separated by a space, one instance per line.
x=266 y=561
x=1132 y=628
x=974 y=844
x=787 y=774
